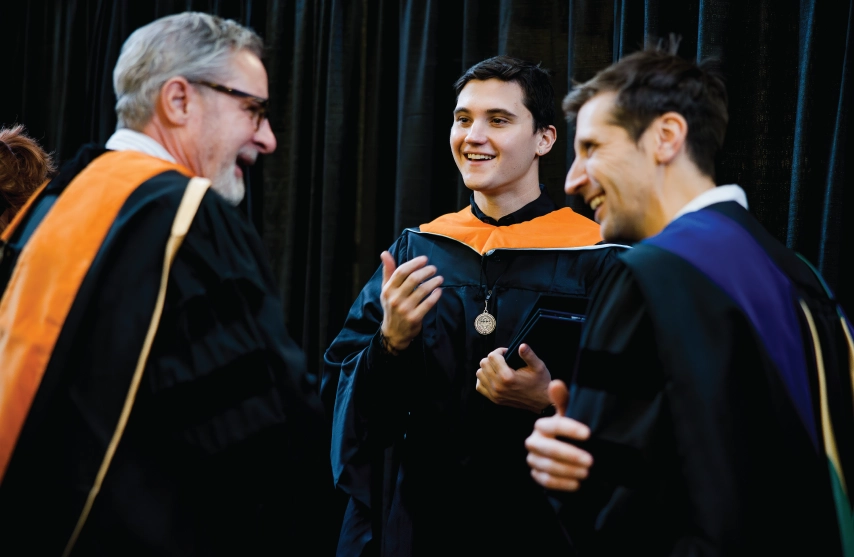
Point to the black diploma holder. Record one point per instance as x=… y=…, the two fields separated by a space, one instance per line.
x=552 y=329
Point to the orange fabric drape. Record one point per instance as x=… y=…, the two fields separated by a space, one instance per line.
x=49 y=273
x=559 y=229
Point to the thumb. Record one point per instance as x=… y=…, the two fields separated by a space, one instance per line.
x=388 y=265
x=530 y=357
x=559 y=396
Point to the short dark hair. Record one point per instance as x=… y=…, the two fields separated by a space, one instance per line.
x=537 y=91
x=654 y=81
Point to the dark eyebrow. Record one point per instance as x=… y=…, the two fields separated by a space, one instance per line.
x=490 y=112
x=500 y=112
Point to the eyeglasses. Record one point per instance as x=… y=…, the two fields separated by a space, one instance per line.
x=258 y=109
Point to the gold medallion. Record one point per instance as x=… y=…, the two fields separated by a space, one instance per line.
x=484 y=323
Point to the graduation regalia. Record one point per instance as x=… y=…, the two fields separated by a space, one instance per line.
x=700 y=377
x=223 y=452
x=432 y=467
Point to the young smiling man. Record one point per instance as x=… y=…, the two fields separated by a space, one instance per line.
x=428 y=446
x=711 y=408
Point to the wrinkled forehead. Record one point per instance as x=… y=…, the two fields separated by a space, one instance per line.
x=245 y=71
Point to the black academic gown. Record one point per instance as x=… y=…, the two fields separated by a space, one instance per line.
x=697 y=378
x=432 y=467
x=225 y=449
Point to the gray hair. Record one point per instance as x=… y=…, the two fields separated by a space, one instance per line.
x=195 y=45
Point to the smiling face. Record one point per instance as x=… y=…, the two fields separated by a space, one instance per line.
x=615 y=175
x=226 y=138
x=493 y=139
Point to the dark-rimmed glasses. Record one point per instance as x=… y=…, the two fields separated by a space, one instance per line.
x=258 y=109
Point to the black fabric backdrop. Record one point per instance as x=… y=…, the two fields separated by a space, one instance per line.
x=362 y=99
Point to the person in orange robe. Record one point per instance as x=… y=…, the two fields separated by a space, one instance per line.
x=428 y=440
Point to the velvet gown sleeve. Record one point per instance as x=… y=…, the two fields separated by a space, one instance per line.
x=617 y=392
x=365 y=388
x=230 y=387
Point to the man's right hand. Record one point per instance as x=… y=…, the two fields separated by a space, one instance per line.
x=408 y=293
x=556 y=464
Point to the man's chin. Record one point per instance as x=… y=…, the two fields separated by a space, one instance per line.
x=616 y=235
x=230 y=187
x=476 y=184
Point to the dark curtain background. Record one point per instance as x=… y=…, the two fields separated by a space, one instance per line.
x=362 y=99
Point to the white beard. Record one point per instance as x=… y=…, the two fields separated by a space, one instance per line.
x=229 y=186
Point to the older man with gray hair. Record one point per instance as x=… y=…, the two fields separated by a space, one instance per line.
x=151 y=401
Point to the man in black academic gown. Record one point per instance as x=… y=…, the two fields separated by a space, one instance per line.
x=711 y=405
x=428 y=447
x=132 y=427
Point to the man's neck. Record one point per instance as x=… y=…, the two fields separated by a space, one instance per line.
x=683 y=184
x=131 y=140
x=502 y=204
x=169 y=138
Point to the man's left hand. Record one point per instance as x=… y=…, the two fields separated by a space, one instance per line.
x=525 y=388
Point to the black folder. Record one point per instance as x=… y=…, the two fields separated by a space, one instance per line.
x=552 y=329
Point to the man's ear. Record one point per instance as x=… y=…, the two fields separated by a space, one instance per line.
x=547 y=140
x=671 y=131
x=174 y=101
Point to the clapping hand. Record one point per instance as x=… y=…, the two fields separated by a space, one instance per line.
x=408 y=293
